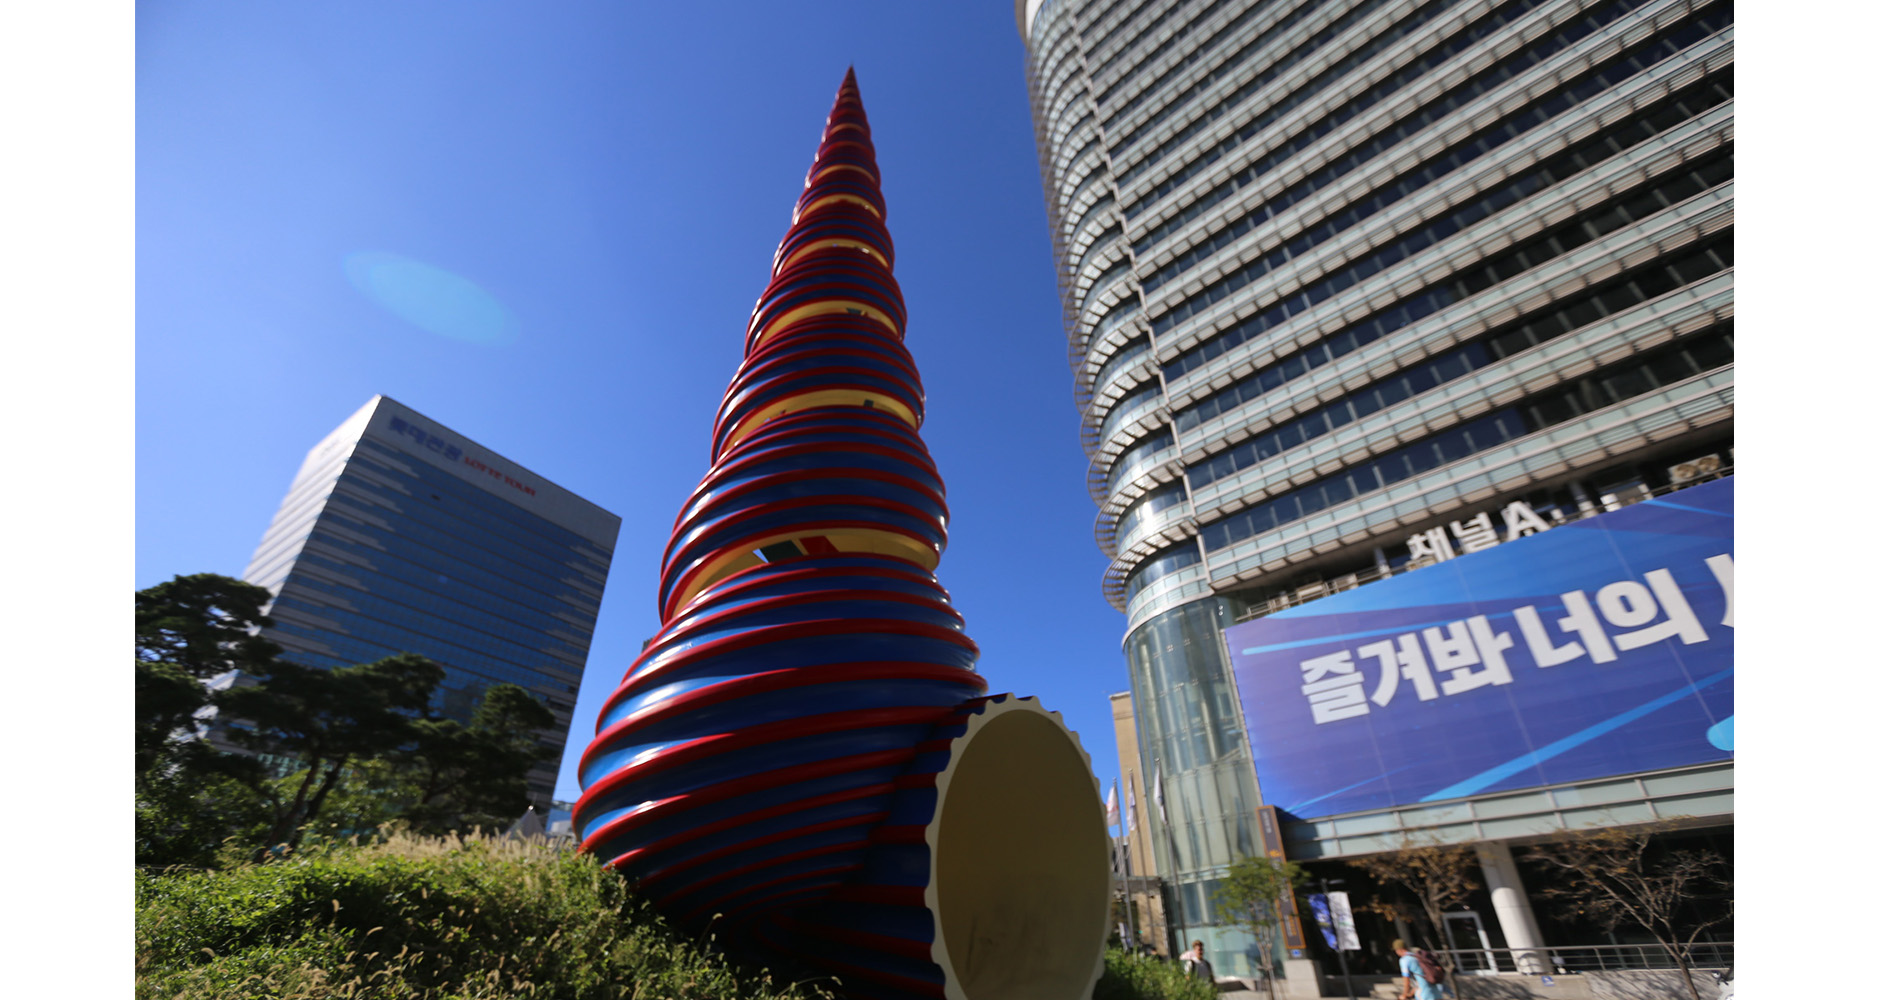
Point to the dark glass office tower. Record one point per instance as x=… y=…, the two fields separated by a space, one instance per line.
x=1341 y=280
x=400 y=535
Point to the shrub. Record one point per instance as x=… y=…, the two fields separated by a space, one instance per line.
x=1131 y=976
x=473 y=919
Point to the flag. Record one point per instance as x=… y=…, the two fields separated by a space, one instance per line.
x=1161 y=809
x=1134 y=815
x=1342 y=922
x=1114 y=804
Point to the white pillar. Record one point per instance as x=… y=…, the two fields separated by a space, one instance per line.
x=1513 y=908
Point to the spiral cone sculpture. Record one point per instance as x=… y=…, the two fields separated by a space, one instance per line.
x=802 y=759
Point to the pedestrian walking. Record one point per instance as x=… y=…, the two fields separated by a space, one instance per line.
x=1423 y=975
x=1195 y=964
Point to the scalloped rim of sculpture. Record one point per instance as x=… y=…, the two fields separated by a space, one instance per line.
x=1009 y=825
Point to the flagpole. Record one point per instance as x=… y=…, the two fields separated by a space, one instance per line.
x=1134 y=816
x=1174 y=866
x=1122 y=861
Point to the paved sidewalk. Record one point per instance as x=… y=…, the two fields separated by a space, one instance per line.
x=1671 y=989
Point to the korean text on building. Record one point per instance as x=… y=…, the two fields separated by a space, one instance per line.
x=1595 y=648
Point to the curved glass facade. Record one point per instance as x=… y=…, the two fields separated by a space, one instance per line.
x=1334 y=272
x=1188 y=722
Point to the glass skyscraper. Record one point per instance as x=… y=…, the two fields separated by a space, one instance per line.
x=399 y=535
x=1338 y=273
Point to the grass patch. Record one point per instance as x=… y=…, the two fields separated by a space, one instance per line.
x=477 y=918
x=472 y=919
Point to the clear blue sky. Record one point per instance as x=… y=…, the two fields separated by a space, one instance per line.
x=615 y=176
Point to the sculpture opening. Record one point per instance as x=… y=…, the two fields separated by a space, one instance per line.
x=1021 y=882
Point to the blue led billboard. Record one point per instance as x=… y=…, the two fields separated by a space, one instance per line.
x=1600 y=647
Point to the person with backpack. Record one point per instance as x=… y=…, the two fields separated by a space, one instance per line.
x=1424 y=977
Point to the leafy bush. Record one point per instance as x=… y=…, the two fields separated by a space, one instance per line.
x=473 y=919
x=464 y=918
x=1131 y=976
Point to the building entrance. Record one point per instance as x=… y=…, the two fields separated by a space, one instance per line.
x=1470 y=945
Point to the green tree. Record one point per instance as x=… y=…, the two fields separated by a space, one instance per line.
x=323 y=721
x=189 y=630
x=165 y=698
x=197 y=801
x=205 y=624
x=359 y=737
x=189 y=798
x=1252 y=896
x=456 y=777
x=1614 y=876
x=477 y=775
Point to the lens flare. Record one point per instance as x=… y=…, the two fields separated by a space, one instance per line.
x=423 y=295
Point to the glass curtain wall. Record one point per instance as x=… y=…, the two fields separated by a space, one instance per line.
x=385 y=544
x=1191 y=735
